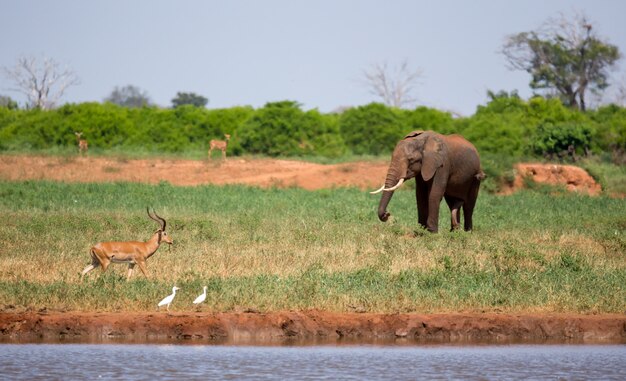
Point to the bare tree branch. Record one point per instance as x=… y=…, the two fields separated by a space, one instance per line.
x=395 y=87
x=43 y=83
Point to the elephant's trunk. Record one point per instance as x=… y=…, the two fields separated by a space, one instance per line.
x=393 y=176
x=383 y=215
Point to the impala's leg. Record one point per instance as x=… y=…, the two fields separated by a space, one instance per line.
x=131 y=266
x=105 y=264
x=142 y=267
x=94 y=263
x=88 y=269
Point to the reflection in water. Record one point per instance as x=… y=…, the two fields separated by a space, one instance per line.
x=176 y=362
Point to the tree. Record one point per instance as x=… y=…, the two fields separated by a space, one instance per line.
x=564 y=56
x=395 y=87
x=7 y=102
x=43 y=83
x=189 y=99
x=129 y=96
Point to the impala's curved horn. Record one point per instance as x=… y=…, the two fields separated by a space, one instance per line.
x=156 y=217
x=162 y=220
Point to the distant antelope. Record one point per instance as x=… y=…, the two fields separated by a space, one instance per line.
x=82 y=143
x=131 y=252
x=219 y=144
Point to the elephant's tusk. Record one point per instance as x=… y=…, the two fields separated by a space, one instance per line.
x=378 y=190
x=395 y=186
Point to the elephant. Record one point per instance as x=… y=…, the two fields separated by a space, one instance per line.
x=444 y=166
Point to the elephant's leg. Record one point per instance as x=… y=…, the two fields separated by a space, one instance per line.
x=434 y=200
x=468 y=206
x=455 y=208
x=421 y=197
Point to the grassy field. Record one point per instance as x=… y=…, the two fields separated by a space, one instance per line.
x=269 y=250
x=71 y=153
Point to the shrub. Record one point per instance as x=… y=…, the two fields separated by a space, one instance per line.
x=282 y=128
x=611 y=130
x=424 y=118
x=373 y=129
x=508 y=124
x=562 y=139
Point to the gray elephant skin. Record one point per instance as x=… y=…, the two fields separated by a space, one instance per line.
x=444 y=166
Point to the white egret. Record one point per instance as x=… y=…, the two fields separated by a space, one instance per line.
x=201 y=297
x=168 y=299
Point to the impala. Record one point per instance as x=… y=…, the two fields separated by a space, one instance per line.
x=131 y=252
x=82 y=143
x=219 y=144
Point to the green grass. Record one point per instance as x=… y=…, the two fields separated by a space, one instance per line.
x=278 y=249
x=122 y=153
x=611 y=177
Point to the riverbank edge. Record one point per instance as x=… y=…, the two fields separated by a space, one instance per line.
x=309 y=327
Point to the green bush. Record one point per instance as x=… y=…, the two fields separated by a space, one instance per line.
x=282 y=128
x=424 y=118
x=611 y=128
x=562 y=139
x=33 y=129
x=507 y=126
x=373 y=129
x=228 y=121
x=106 y=126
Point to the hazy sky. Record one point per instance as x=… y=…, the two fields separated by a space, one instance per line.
x=240 y=52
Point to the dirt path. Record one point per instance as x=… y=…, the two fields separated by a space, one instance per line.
x=259 y=172
x=310 y=327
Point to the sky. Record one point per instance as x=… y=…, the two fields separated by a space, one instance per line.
x=315 y=52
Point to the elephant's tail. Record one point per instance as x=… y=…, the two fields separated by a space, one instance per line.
x=480 y=175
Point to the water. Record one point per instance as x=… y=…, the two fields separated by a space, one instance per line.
x=186 y=362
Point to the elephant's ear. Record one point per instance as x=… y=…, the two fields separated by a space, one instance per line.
x=413 y=134
x=432 y=157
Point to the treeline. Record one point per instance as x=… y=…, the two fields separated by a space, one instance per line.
x=506 y=125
